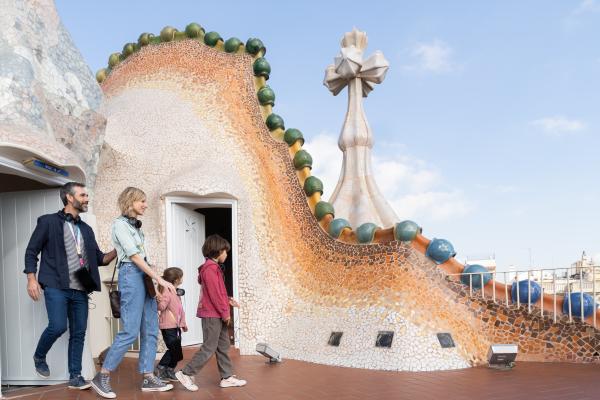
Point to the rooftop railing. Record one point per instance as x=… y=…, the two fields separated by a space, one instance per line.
x=544 y=291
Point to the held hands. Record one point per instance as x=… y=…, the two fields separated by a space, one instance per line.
x=33 y=288
x=166 y=285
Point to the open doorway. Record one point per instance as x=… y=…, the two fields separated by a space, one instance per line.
x=217 y=221
x=189 y=221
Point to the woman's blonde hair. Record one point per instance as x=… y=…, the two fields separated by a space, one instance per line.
x=128 y=197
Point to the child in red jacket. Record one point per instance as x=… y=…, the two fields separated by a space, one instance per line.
x=214 y=309
x=171 y=322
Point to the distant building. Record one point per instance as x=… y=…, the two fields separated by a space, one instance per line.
x=582 y=275
x=489 y=263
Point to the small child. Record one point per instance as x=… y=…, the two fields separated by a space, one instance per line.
x=171 y=322
x=214 y=309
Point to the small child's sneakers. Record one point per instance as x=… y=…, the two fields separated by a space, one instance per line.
x=232 y=381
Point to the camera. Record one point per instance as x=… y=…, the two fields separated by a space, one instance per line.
x=180 y=292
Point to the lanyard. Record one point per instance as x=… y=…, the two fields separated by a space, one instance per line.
x=77 y=239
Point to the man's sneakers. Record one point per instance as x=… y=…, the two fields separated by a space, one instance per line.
x=186 y=380
x=79 y=383
x=232 y=381
x=152 y=383
x=101 y=385
x=41 y=367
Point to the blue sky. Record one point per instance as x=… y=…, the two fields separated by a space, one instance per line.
x=486 y=126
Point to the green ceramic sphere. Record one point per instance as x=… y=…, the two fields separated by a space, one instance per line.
x=254 y=45
x=114 y=59
x=406 y=231
x=232 y=45
x=274 y=121
x=261 y=68
x=337 y=226
x=266 y=96
x=128 y=49
x=366 y=232
x=194 y=30
x=212 y=38
x=144 y=39
x=312 y=185
x=168 y=33
x=155 y=39
x=292 y=135
x=101 y=75
x=322 y=209
x=302 y=159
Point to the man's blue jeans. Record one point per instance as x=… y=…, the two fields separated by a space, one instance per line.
x=139 y=316
x=64 y=305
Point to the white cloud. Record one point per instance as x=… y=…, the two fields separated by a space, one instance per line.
x=577 y=16
x=413 y=189
x=558 y=125
x=587 y=6
x=435 y=56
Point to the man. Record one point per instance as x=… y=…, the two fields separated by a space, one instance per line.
x=68 y=272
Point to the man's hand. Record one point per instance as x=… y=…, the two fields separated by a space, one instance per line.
x=233 y=303
x=33 y=287
x=227 y=321
x=108 y=257
x=184 y=328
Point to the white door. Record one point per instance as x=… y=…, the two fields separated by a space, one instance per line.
x=21 y=319
x=187 y=236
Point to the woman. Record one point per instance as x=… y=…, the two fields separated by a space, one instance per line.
x=139 y=315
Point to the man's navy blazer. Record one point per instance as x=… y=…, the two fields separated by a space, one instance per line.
x=48 y=238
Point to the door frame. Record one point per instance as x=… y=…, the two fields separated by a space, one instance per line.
x=207 y=202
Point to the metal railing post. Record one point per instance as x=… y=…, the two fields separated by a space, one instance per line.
x=569 y=295
x=594 y=292
x=529 y=291
x=494 y=287
x=542 y=293
x=554 y=292
x=580 y=293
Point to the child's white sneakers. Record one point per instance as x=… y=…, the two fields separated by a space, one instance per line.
x=232 y=381
x=186 y=380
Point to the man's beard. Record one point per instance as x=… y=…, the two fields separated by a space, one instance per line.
x=80 y=206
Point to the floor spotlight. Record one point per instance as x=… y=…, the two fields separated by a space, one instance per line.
x=267 y=351
x=502 y=356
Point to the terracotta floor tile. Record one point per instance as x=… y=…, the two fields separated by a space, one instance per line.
x=295 y=380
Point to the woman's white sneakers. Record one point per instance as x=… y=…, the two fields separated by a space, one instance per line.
x=186 y=380
x=232 y=381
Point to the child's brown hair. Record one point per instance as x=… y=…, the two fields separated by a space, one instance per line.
x=214 y=245
x=171 y=275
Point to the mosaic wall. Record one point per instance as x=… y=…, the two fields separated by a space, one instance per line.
x=182 y=118
x=48 y=95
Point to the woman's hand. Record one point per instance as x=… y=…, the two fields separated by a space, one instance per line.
x=233 y=303
x=184 y=328
x=166 y=285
